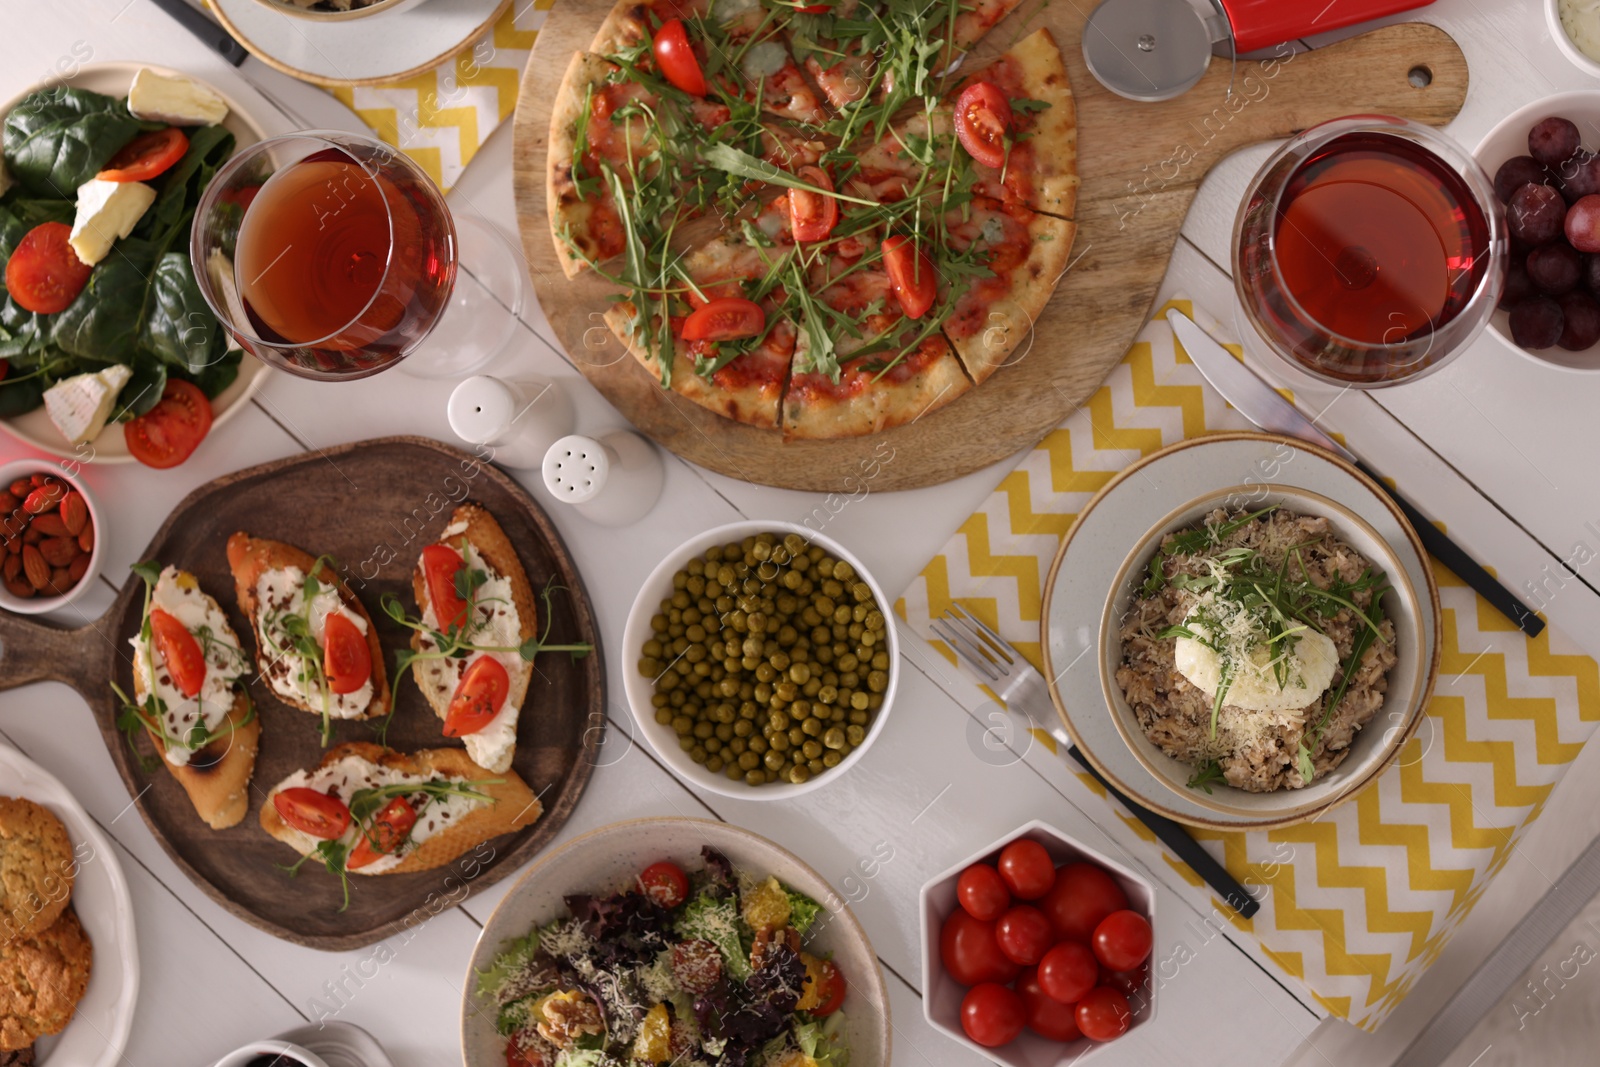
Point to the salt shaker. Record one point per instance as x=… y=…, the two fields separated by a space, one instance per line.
x=612 y=481
x=518 y=418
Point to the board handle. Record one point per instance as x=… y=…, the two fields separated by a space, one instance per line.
x=39 y=652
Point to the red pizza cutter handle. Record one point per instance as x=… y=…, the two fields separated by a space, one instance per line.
x=1263 y=23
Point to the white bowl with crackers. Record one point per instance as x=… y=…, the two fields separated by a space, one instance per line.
x=830 y=706
x=77 y=874
x=51 y=532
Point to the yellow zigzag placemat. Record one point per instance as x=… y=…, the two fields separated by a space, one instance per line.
x=1364 y=899
x=441 y=118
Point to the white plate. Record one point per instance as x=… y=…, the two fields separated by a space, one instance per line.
x=98 y=1032
x=386 y=47
x=1084 y=578
x=35 y=428
x=604 y=859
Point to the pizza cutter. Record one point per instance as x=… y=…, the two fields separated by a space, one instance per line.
x=1157 y=49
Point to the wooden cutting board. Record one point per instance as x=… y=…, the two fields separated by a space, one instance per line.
x=373 y=506
x=1141 y=165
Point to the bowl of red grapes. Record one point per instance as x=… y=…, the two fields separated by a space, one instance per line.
x=1545 y=159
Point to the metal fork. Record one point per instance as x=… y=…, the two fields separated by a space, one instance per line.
x=1024 y=691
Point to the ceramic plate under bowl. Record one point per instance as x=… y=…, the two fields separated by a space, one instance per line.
x=98 y=1032
x=611 y=857
x=35 y=427
x=1508 y=139
x=1151 y=493
x=360 y=51
x=1370 y=749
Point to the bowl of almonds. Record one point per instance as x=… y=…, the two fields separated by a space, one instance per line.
x=48 y=549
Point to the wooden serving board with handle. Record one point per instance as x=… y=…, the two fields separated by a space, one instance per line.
x=372 y=506
x=1140 y=165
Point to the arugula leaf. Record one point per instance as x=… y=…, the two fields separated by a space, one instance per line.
x=56 y=139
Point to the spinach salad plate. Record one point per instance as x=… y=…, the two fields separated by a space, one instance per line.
x=140 y=307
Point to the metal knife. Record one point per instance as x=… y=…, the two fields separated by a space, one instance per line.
x=214 y=36
x=1261 y=404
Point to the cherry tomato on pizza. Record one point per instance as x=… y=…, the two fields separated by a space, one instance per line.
x=44 y=274
x=677 y=59
x=168 y=433
x=981 y=891
x=812 y=216
x=727 y=318
x=440 y=565
x=665 y=883
x=147 y=156
x=911 y=274
x=346 y=656
x=478 y=698
x=992 y=1015
x=180 y=652
x=984 y=123
x=312 y=812
x=389 y=830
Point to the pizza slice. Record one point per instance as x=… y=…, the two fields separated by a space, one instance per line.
x=732 y=46
x=1007 y=132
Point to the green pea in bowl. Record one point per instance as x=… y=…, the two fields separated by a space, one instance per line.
x=769 y=686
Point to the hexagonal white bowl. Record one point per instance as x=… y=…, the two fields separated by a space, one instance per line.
x=942 y=995
x=640 y=689
x=611 y=856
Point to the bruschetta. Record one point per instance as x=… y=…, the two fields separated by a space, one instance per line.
x=393 y=813
x=471 y=584
x=191 y=696
x=315 y=643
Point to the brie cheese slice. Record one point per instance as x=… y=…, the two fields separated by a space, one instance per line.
x=79 y=406
x=176 y=101
x=107 y=211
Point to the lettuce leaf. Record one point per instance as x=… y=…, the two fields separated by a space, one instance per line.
x=717 y=920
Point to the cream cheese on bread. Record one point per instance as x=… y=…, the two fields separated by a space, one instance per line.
x=496 y=623
x=345 y=777
x=281 y=596
x=179 y=595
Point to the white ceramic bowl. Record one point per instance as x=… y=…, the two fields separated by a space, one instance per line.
x=284 y=7
x=1509 y=139
x=1379 y=742
x=288 y=1053
x=640 y=689
x=942 y=995
x=610 y=857
x=1552 y=14
x=22 y=468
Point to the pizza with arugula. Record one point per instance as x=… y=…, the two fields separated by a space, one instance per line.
x=817 y=220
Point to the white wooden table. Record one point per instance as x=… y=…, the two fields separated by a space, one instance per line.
x=1520 y=433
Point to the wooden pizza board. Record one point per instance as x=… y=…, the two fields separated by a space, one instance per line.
x=1140 y=164
x=372 y=506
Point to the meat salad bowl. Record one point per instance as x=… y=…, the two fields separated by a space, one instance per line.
x=1262 y=651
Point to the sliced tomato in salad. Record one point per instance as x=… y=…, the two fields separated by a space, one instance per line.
x=832 y=991
x=180 y=652
x=725 y=319
x=677 y=59
x=147 y=156
x=44 y=274
x=389 y=830
x=440 y=563
x=983 y=123
x=317 y=814
x=665 y=883
x=478 y=698
x=168 y=433
x=346 y=656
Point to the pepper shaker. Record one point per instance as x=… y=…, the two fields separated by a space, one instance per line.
x=518 y=418
x=612 y=481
